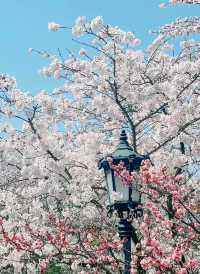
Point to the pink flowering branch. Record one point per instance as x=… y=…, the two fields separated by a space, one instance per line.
x=120 y=170
x=170 y=223
x=93 y=249
x=167 y=218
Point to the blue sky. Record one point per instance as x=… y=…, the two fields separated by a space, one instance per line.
x=23 y=25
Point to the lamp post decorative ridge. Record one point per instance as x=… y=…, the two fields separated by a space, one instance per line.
x=127 y=199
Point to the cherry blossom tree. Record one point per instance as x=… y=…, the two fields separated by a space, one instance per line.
x=174 y=2
x=53 y=198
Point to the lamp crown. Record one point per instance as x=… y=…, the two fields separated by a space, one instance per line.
x=124 y=152
x=123 y=136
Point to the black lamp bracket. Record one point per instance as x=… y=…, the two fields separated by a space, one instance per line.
x=125 y=210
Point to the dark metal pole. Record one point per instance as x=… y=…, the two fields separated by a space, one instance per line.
x=127 y=256
x=125 y=229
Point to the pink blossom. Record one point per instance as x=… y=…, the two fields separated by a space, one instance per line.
x=180 y=212
x=82 y=52
x=191 y=264
x=162 y=5
x=148 y=263
x=147 y=220
x=43 y=267
x=164 y=264
x=52 y=26
x=177 y=255
x=181 y=270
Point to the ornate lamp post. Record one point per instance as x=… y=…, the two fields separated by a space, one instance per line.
x=126 y=198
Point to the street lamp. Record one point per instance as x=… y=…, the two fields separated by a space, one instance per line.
x=123 y=198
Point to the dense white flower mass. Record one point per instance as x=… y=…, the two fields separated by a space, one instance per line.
x=96 y=23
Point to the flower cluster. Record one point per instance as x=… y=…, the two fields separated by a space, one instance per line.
x=182 y=26
x=121 y=171
x=53 y=26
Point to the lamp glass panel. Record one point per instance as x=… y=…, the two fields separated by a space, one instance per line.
x=135 y=195
x=109 y=181
x=122 y=190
